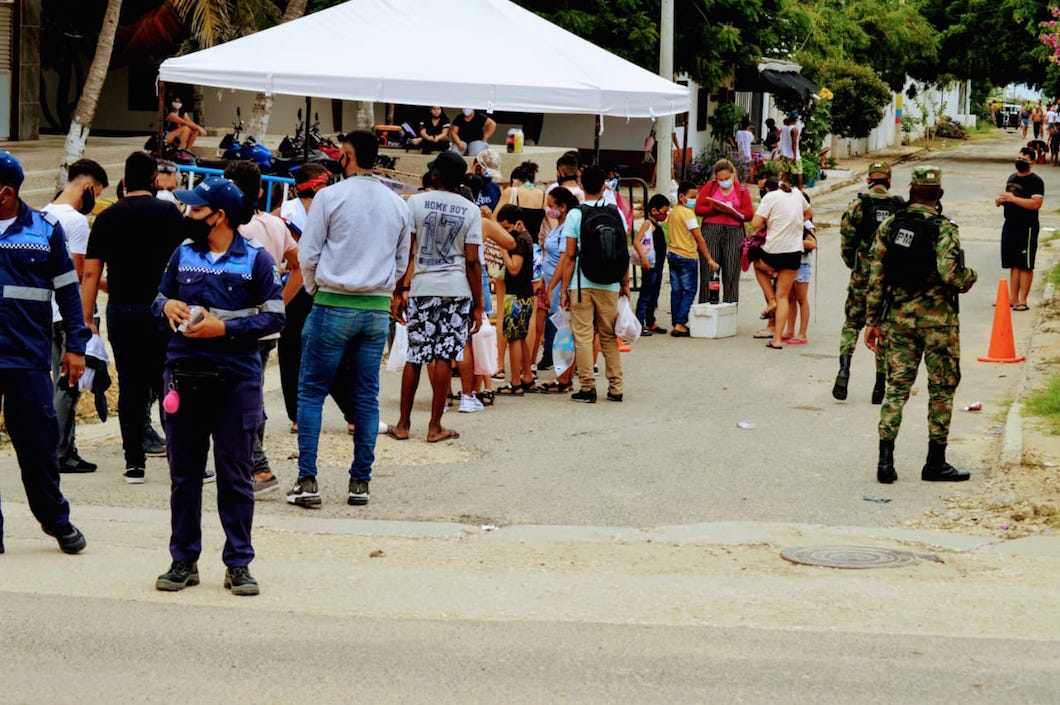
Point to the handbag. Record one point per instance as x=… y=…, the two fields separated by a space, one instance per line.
x=752 y=248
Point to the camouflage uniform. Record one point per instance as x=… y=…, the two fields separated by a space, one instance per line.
x=921 y=324
x=855 y=253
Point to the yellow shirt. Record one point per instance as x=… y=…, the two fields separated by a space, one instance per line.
x=682 y=221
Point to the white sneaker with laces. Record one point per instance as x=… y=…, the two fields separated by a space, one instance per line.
x=470 y=404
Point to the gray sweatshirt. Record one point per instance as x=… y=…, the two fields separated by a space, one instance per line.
x=356 y=239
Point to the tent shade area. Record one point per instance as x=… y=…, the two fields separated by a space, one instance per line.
x=405 y=51
x=781 y=78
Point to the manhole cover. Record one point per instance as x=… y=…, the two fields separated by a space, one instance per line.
x=851 y=557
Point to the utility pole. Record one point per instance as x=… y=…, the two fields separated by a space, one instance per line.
x=664 y=166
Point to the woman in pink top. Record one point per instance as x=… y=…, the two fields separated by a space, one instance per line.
x=725 y=205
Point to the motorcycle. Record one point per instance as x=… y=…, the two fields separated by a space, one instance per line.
x=232 y=148
x=170 y=152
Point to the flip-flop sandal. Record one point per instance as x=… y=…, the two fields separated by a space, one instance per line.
x=450 y=435
x=390 y=432
x=510 y=390
x=794 y=341
x=1021 y=307
x=774 y=347
x=763 y=334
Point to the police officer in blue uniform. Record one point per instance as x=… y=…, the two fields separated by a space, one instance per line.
x=220 y=294
x=34 y=263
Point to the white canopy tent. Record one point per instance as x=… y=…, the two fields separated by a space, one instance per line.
x=482 y=54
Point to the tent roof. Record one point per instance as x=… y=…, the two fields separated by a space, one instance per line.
x=781 y=78
x=482 y=54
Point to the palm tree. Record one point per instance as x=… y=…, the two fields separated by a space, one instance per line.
x=85 y=113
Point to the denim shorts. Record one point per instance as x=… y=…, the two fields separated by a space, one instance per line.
x=805 y=271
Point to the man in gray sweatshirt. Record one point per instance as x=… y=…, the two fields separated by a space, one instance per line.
x=354 y=247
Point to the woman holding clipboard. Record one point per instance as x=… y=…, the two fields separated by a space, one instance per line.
x=725 y=205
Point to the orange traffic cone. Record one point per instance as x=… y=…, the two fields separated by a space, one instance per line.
x=1002 y=346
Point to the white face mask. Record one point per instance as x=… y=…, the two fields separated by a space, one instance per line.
x=467 y=112
x=177 y=105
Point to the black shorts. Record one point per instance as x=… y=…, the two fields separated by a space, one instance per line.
x=781 y=260
x=1019 y=245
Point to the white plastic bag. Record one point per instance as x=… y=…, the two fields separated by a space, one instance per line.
x=398 y=349
x=484 y=348
x=563 y=345
x=627 y=327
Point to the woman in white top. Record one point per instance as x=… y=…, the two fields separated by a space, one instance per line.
x=782 y=211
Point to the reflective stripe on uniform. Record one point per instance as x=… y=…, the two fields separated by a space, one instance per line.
x=27 y=293
x=65 y=279
x=273 y=306
x=226 y=315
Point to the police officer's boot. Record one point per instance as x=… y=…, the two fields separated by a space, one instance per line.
x=880 y=388
x=885 y=467
x=839 y=390
x=936 y=469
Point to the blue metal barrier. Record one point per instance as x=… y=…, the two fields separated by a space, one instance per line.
x=268 y=181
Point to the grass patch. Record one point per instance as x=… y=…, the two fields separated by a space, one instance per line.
x=1054 y=276
x=1045 y=404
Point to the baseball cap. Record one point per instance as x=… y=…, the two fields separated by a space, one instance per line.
x=216 y=192
x=491 y=162
x=926 y=176
x=10 y=169
x=449 y=166
x=880 y=168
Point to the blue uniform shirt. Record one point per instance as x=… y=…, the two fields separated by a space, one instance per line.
x=242 y=288
x=34 y=262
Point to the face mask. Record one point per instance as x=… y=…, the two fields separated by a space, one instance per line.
x=880 y=182
x=177 y=105
x=727 y=183
x=197 y=230
x=344 y=161
x=691 y=203
x=467 y=112
x=1022 y=166
x=88 y=201
x=553 y=213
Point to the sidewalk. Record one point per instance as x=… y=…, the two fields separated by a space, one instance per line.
x=853 y=169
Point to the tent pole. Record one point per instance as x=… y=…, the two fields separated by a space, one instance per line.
x=161 y=115
x=596 y=140
x=305 y=136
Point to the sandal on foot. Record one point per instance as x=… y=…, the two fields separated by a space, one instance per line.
x=774 y=347
x=556 y=387
x=511 y=390
x=499 y=374
x=486 y=398
x=531 y=387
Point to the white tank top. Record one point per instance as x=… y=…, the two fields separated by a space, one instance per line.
x=786 y=148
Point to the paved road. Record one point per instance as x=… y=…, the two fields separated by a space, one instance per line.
x=636 y=559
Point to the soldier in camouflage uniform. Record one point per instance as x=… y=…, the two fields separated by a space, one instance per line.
x=857 y=233
x=916 y=270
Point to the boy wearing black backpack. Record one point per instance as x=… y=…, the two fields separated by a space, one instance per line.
x=597 y=249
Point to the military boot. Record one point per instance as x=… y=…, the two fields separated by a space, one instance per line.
x=936 y=469
x=880 y=388
x=885 y=467
x=839 y=390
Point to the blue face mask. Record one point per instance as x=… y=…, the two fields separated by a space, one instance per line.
x=691 y=203
x=727 y=183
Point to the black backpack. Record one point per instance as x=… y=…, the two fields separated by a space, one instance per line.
x=603 y=250
x=910 y=262
x=874 y=211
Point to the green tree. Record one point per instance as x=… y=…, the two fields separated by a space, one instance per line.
x=860 y=96
x=995 y=41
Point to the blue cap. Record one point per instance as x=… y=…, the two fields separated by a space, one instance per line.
x=218 y=193
x=10 y=169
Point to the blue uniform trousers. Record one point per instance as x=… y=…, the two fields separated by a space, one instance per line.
x=229 y=412
x=31 y=423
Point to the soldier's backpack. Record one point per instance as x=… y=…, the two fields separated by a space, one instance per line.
x=910 y=262
x=874 y=211
x=603 y=254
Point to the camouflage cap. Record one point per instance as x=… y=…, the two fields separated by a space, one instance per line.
x=880 y=168
x=926 y=176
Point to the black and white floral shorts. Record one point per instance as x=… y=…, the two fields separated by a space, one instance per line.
x=438 y=327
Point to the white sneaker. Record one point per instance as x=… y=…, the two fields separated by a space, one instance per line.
x=470 y=404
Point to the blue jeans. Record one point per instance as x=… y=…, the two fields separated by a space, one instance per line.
x=329 y=334
x=684 y=278
x=648 y=300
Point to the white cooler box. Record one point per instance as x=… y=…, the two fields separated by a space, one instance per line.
x=712 y=320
